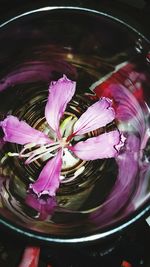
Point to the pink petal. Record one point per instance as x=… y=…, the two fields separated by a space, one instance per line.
x=20 y=132
x=96 y=116
x=49 y=178
x=102 y=146
x=60 y=93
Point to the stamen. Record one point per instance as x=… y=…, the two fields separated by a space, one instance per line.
x=27 y=146
x=70 y=137
x=34 y=157
x=12 y=154
x=37 y=150
x=36 y=153
x=31 y=145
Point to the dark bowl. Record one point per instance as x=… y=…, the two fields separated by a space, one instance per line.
x=106 y=57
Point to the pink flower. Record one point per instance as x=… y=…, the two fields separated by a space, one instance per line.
x=36 y=144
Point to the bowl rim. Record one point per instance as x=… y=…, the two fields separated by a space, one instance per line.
x=106 y=231
x=74 y=8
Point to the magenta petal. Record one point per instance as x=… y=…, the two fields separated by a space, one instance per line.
x=96 y=116
x=20 y=132
x=60 y=93
x=49 y=178
x=102 y=146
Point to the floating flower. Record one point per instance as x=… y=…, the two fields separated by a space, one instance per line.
x=37 y=144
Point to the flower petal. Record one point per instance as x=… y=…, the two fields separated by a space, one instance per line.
x=127 y=93
x=96 y=116
x=102 y=146
x=49 y=178
x=20 y=132
x=44 y=207
x=60 y=93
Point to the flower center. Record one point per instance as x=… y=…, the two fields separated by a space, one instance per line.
x=32 y=151
x=63 y=142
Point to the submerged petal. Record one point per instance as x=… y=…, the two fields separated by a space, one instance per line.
x=102 y=146
x=124 y=186
x=49 y=178
x=96 y=116
x=44 y=207
x=60 y=93
x=20 y=132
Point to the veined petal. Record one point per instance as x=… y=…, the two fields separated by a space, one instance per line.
x=20 y=132
x=96 y=116
x=49 y=178
x=99 y=147
x=60 y=93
